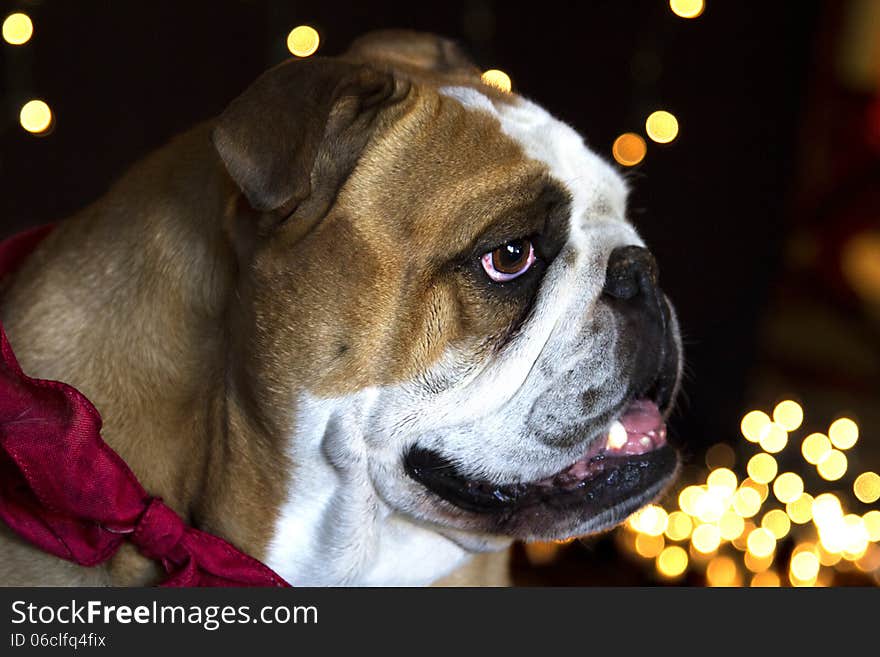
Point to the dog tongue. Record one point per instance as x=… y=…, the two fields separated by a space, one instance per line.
x=639 y=430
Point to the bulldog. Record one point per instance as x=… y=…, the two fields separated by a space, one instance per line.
x=371 y=325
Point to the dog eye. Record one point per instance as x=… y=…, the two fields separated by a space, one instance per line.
x=509 y=260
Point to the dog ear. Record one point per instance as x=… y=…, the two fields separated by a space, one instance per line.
x=297 y=132
x=411 y=49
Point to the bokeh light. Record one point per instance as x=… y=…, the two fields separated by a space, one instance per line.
x=303 y=41
x=747 y=502
x=866 y=487
x=832 y=466
x=706 y=538
x=800 y=510
x=843 y=433
x=731 y=525
x=752 y=424
x=767 y=579
x=35 y=116
x=722 y=480
x=17 y=29
x=762 y=468
x=872 y=524
x=687 y=8
x=672 y=561
x=788 y=487
x=761 y=542
x=796 y=538
x=777 y=522
x=757 y=564
x=629 y=149
x=805 y=566
x=662 y=126
x=815 y=447
x=689 y=499
x=720 y=455
x=762 y=489
x=679 y=526
x=498 y=79
x=722 y=571
x=648 y=546
x=788 y=414
x=773 y=438
x=826 y=509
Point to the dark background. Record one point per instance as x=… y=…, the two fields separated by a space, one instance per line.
x=746 y=210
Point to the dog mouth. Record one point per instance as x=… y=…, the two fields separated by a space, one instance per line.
x=613 y=477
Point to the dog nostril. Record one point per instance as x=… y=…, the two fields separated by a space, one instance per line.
x=631 y=271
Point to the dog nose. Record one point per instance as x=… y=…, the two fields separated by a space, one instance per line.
x=632 y=272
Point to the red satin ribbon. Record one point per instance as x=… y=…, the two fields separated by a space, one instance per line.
x=63 y=489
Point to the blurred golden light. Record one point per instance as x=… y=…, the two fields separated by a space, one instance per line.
x=731 y=525
x=761 y=542
x=870 y=560
x=856 y=537
x=777 y=522
x=800 y=510
x=17 y=29
x=768 y=578
x=872 y=524
x=757 y=564
x=679 y=526
x=687 y=8
x=722 y=571
x=629 y=149
x=303 y=41
x=826 y=509
x=788 y=414
x=762 y=468
x=867 y=487
x=662 y=126
x=827 y=558
x=773 y=438
x=788 y=487
x=672 y=561
x=860 y=263
x=741 y=541
x=689 y=498
x=720 y=455
x=814 y=447
x=763 y=489
x=832 y=466
x=843 y=433
x=747 y=502
x=795 y=581
x=723 y=480
x=711 y=505
x=498 y=79
x=35 y=116
x=649 y=546
x=650 y=520
x=706 y=538
x=752 y=424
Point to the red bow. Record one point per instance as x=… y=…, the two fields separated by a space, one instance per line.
x=65 y=490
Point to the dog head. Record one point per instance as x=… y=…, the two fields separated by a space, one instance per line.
x=440 y=286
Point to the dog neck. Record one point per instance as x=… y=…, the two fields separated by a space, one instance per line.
x=333 y=528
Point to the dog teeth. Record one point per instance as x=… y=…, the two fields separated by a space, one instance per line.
x=617 y=436
x=644 y=441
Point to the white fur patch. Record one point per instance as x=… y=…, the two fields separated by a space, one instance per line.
x=333 y=529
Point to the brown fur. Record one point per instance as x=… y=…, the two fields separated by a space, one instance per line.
x=191 y=319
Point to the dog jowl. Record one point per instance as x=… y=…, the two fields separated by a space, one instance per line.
x=410 y=323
